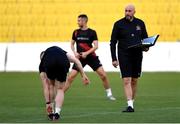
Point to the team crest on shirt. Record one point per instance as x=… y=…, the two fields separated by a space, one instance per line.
x=138 y=28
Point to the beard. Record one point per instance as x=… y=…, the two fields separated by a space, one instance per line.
x=129 y=17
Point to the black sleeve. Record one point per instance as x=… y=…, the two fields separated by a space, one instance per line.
x=94 y=36
x=113 y=42
x=144 y=32
x=74 y=35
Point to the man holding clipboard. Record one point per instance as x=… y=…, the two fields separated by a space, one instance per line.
x=128 y=33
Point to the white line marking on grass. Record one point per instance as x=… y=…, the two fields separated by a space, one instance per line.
x=96 y=113
x=161 y=109
x=70 y=116
x=92 y=114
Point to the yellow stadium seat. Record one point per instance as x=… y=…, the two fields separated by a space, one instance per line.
x=51 y=20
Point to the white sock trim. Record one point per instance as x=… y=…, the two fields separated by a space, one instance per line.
x=57 y=110
x=130 y=103
x=108 y=92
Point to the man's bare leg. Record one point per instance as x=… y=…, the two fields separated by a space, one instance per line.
x=102 y=74
x=59 y=99
x=52 y=92
x=134 y=87
x=48 y=90
x=45 y=83
x=70 y=79
x=127 y=87
x=128 y=91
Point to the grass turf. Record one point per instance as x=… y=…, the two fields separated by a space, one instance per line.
x=158 y=99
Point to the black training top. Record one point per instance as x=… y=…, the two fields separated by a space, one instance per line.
x=52 y=55
x=127 y=33
x=84 y=39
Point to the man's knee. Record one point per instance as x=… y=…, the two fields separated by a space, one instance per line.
x=102 y=73
x=70 y=78
x=134 y=81
x=127 y=80
x=60 y=85
x=103 y=76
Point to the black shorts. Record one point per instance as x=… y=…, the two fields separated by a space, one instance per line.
x=56 y=73
x=130 y=62
x=57 y=70
x=92 y=61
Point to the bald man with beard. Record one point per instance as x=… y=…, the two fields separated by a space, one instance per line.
x=126 y=32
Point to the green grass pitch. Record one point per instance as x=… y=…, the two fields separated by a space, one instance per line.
x=158 y=99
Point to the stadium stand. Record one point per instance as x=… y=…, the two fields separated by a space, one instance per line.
x=54 y=20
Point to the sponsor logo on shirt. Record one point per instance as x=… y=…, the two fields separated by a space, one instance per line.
x=138 y=28
x=82 y=38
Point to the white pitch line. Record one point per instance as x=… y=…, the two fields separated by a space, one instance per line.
x=97 y=113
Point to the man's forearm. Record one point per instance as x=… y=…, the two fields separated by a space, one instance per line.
x=79 y=66
x=113 y=51
x=91 y=50
x=73 y=49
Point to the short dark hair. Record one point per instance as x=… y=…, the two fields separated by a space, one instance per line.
x=83 y=16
